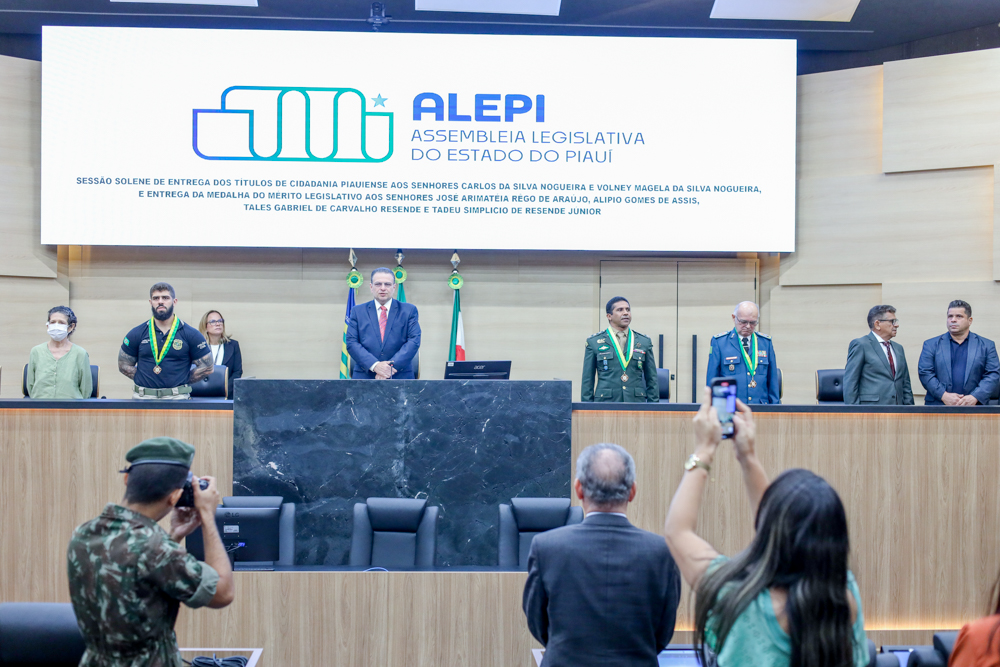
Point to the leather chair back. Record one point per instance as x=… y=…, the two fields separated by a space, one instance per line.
x=830 y=386
x=39 y=633
x=526 y=517
x=394 y=533
x=95 y=380
x=663 y=377
x=781 y=385
x=215 y=385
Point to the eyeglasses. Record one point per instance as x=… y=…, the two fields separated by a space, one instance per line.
x=751 y=323
x=892 y=322
x=216 y=322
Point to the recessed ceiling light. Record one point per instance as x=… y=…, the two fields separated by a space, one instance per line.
x=222 y=3
x=785 y=10
x=531 y=7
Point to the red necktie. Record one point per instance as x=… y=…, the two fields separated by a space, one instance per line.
x=892 y=364
x=383 y=318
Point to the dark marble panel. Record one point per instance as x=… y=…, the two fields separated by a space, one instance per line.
x=465 y=445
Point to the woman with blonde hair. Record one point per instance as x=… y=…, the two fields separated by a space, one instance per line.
x=225 y=350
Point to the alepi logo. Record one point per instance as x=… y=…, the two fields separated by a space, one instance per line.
x=291 y=124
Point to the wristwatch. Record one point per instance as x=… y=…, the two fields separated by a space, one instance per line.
x=695 y=462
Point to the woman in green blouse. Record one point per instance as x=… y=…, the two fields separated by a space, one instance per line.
x=788 y=599
x=59 y=368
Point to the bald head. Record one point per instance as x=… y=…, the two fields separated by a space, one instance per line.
x=745 y=318
x=605 y=476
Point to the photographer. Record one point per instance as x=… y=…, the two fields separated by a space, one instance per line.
x=127 y=576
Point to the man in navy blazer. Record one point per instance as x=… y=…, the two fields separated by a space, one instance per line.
x=602 y=593
x=383 y=334
x=959 y=367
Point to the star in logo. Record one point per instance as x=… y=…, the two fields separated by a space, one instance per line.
x=379 y=101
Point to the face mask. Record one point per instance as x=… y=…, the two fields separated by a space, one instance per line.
x=58 y=331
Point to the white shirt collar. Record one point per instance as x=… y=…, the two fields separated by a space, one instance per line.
x=878 y=339
x=388 y=307
x=621 y=514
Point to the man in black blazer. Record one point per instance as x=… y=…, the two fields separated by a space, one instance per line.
x=876 y=371
x=383 y=335
x=959 y=367
x=602 y=593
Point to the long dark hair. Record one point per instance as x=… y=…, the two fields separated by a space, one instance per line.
x=801 y=545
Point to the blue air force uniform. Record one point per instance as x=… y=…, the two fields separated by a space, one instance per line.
x=726 y=360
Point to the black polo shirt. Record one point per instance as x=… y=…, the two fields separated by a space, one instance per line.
x=175 y=369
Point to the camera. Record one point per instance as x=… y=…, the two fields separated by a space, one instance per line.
x=187 y=496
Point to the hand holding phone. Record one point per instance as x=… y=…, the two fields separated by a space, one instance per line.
x=724 y=402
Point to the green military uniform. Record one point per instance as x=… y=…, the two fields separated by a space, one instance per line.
x=127 y=579
x=621 y=376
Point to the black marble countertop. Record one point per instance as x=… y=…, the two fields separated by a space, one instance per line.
x=114 y=404
x=828 y=408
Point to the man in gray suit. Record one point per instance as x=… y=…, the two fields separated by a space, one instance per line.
x=602 y=592
x=876 y=371
x=959 y=367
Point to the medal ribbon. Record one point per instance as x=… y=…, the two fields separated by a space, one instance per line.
x=158 y=355
x=743 y=353
x=618 y=350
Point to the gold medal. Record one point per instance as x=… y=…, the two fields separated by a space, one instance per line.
x=624 y=377
x=157 y=369
x=753 y=384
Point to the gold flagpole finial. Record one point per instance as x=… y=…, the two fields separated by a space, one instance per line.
x=455 y=261
x=400 y=256
x=353 y=259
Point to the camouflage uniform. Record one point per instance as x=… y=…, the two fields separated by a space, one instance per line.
x=126 y=580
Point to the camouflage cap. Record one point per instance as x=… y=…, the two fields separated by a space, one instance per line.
x=161 y=450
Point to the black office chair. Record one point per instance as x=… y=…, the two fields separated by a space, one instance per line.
x=781 y=385
x=95 y=380
x=830 y=386
x=526 y=517
x=663 y=377
x=39 y=633
x=214 y=385
x=394 y=533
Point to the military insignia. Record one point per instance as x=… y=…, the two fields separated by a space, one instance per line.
x=603 y=347
x=732 y=367
x=753 y=384
x=624 y=377
x=762 y=353
x=178 y=344
x=732 y=360
x=126 y=340
x=763 y=335
x=721 y=335
x=599 y=340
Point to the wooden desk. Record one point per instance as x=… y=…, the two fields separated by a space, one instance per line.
x=920 y=488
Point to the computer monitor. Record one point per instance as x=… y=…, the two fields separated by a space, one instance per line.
x=249 y=534
x=902 y=653
x=477 y=370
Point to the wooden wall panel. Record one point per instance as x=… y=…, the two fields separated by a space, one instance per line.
x=919 y=227
x=840 y=123
x=26 y=302
x=941 y=112
x=827 y=318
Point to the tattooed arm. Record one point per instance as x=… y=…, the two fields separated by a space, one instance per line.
x=126 y=364
x=203 y=367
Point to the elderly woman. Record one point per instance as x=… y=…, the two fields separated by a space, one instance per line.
x=225 y=350
x=59 y=368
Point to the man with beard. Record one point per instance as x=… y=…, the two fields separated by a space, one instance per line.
x=158 y=355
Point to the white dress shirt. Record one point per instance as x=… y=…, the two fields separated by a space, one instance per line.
x=886 y=351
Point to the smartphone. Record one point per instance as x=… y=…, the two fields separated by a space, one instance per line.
x=724 y=402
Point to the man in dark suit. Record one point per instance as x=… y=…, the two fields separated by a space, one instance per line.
x=876 y=371
x=383 y=334
x=601 y=592
x=959 y=367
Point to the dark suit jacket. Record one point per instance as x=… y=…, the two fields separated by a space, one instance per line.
x=232 y=359
x=601 y=593
x=982 y=368
x=365 y=344
x=867 y=380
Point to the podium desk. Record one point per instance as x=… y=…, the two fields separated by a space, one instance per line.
x=919 y=486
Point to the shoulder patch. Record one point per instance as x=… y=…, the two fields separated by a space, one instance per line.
x=639 y=334
x=720 y=335
x=599 y=333
x=763 y=335
x=126 y=341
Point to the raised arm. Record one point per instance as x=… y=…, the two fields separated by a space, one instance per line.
x=744 y=439
x=126 y=364
x=692 y=553
x=203 y=367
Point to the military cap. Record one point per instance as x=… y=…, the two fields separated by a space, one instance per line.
x=161 y=450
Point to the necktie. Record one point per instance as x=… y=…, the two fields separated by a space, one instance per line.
x=892 y=364
x=746 y=346
x=382 y=319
